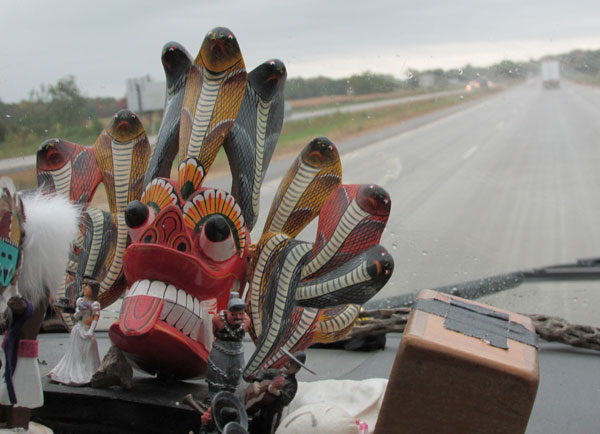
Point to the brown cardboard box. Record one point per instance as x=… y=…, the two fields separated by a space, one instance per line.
x=461 y=367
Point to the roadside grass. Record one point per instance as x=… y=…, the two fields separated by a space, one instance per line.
x=27 y=143
x=337 y=127
x=586 y=79
x=342 y=126
x=324 y=102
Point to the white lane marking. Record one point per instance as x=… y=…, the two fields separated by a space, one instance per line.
x=470 y=152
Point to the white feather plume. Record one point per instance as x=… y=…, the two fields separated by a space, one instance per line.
x=51 y=225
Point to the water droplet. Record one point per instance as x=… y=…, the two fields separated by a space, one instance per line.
x=425 y=253
x=394 y=246
x=462 y=97
x=7 y=116
x=460 y=71
x=409 y=75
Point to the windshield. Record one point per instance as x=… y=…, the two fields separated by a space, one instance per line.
x=479 y=119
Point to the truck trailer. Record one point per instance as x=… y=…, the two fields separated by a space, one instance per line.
x=550 y=72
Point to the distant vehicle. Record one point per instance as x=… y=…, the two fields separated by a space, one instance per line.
x=550 y=71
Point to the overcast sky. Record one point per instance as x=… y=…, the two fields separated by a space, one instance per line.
x=102 y=43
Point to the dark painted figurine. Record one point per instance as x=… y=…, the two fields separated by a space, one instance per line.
x=226 y=359
x=271 y=391
x=226 y=414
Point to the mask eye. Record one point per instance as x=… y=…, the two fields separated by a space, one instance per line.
x=212 y=203
x=216 y=240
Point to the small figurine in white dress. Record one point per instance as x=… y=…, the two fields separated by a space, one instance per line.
x=81 y=359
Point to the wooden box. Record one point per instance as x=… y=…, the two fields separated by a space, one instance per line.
x=461 y=367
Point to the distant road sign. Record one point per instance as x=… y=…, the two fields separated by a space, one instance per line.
x=145 y=95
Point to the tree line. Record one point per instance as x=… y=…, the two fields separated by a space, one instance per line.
x=55 y=110
x=60 y=109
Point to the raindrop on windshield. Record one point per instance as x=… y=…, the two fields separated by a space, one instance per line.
x=460 y=71
x=425 y=253
x=409 y=74
x=7 y=116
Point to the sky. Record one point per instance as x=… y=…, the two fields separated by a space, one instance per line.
x=104 y=43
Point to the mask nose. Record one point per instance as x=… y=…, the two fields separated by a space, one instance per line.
x=167 y=230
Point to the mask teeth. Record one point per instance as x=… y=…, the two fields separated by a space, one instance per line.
x=180 y=310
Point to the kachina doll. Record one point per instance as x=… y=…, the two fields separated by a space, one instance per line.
x=36 y=234
x=226 y=359
x=81 y=358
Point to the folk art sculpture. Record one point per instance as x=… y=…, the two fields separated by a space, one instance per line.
x=175 y=249
x=270 y=391
x=81 y=359
x=33 y=255
x=226 y=359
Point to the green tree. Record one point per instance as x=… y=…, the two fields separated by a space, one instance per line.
x=67 y=105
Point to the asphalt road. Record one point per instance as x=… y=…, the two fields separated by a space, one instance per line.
x=506 y=183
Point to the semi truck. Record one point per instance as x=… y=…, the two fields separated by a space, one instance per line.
x=550 y=72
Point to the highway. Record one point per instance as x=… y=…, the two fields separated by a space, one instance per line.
x=507 y=183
